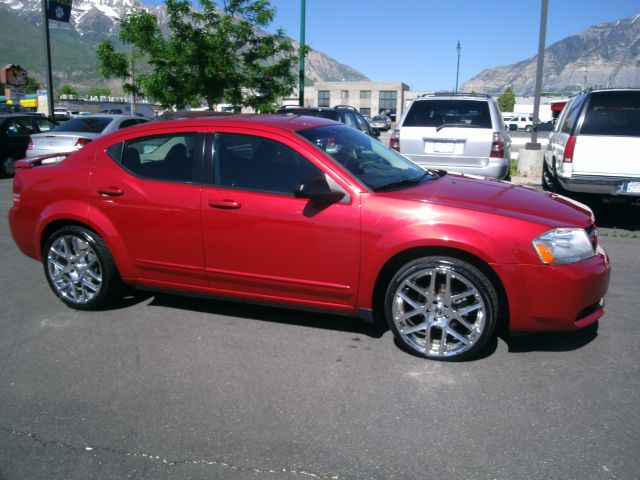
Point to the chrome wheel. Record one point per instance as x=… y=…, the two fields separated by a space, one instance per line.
x=440 y=310
x=74 y=269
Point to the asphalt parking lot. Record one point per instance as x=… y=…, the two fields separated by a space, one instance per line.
x=170 y=387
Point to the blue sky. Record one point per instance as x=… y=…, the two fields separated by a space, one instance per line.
x=414 y=41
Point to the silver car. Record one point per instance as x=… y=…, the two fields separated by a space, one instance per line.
x=381 y=122
x=457 y=133
x=77 y=132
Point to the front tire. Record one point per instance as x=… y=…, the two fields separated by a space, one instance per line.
x=80 y=269
x=441 y=308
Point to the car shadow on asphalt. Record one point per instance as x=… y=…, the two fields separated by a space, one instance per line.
x=617 y=216
x=552 y=341
x=270 y=314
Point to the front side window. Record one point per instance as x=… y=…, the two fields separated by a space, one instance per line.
x=171 y=157
x=261 y=164
x=324 y=98
x=373 y=164
x=44 y=125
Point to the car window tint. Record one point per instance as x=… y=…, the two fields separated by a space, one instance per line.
x=19 y=127
x=349 y=119
x=85 y=125
x=169 y=157
x=613 y=113
x=44 y=125
x=434 y=113
x=361 y=124
x=128 y=123
x=374 y=164
x=262 y=164
x=572 y=114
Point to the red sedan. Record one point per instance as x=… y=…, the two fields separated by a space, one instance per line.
x=308 y=213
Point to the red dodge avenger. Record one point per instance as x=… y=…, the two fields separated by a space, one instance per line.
x=307 y=213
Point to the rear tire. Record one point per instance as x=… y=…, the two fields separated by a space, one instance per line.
x=80 y=269
x=441 y=308
x=8 y=167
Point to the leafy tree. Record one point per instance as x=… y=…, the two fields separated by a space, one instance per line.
x=219 y=52
x=99 y=92
x=507 y=100
x=68 y=90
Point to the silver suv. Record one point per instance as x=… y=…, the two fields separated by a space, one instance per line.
x=457 y=133
x=594 y=146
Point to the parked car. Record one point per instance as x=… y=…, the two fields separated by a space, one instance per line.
x=458 y=133
x=521 y=122
x=14 y=137
x=594 y=146
x=308 y=213
x=77 y=132
x=381 y=122
x=340 y=113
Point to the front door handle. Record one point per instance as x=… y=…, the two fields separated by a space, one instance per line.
x=110 y=191
x=226 y=204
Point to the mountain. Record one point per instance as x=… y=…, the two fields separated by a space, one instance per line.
x=604 y=55
x=73 y=45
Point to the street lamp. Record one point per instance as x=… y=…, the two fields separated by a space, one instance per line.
x=458 y=48
x=301 y=54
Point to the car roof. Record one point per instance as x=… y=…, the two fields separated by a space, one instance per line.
x=289 y=122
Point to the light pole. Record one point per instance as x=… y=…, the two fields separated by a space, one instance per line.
x=458 y=48
x=301 y=54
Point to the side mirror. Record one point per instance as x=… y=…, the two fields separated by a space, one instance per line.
x=375 y=132
x=318 y=190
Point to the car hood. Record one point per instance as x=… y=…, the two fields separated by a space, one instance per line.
x=500 y=197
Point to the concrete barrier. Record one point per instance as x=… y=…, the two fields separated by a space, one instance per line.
x=530 y=163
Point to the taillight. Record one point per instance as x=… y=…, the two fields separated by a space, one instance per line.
x=30 y=144
x=81 y=142
x=17 y=190
x=568 y=150
x=497 y=146
x=394 y=141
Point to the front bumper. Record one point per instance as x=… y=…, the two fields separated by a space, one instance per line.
x=557 y=298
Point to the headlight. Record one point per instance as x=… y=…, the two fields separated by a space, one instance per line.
x=563 y=245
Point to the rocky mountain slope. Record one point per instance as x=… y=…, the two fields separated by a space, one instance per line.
x=73 y=44
x=603 y=55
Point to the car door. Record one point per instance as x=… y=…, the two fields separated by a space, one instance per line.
x=261 y=241
x=147 y=189
x=15 y=134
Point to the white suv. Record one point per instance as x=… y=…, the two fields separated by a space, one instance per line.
x=457 y=133
x=594 y=146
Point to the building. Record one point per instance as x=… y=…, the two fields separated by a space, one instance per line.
x=370 y=98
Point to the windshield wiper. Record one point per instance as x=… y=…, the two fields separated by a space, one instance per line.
x=401 y=182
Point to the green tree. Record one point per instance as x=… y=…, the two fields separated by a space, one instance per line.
x=218 y=52
x=99 y=92
x=507 y=100
x=68 y=90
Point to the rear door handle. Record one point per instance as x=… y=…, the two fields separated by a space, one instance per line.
x=226 y=204
x=110 y=191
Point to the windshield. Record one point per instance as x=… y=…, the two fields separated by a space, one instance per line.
x=376 y=166
x=85 y=125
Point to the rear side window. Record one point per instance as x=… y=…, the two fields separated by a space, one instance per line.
x=570 y=119
x=85 y=125
x=460 y=113
x=171 y=157
x=613 y=113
